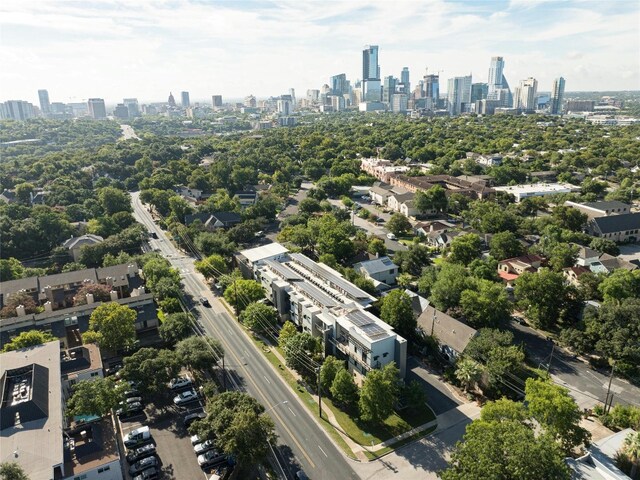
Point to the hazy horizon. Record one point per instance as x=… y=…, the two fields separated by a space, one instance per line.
x=106 y=49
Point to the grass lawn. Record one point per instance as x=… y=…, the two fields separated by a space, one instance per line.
x=364 y=433
x=412 y=438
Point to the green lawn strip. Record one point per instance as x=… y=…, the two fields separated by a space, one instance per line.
x=438 y=260
x=401 y=443
x=393 y=426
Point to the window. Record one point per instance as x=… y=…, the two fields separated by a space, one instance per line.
x=384 y=355
x=105 y=469
x=376 y=357
x=94 y=374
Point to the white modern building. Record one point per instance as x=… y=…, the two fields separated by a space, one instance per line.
x=521 y=192
x=379 y=269
x=323 y=303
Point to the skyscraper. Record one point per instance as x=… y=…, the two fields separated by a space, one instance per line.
x=96 y=108
x=16 y=110
x=557 y=95
x=404 y=80
x=458 y=94
x=132 y=106
x=371 y=91
x=498 y=85
x=432 y=88
x=216 y=100
x=479 y=91
x=389 y=89
x=45 y=105
x=172 y=101
x=184 y=97
x=339 y=84
x=525 y=98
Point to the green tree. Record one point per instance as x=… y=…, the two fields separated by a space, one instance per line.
x=175 y=327
x=14 y=301
x=377 y=247
x=300 y=351
x=397 y=311
x=259 y=317
x=432 y=200
x=12 y=471
x=24 y=192
x=241 y=293
x=486 y=305
x=378 y=394
x=27 y=339
x=504 y=410
x=557 y=412
x=414 y=395
x=179 y=208
x=604 y=245
x=568 y=218
x=95 y=397
x=563 y=255
x=343 y=389
x=542 y=296
x=157 y=269
x=468 y=373
x=620 y=284
x=287 y=332
x=199 y=353
x=451 y=281
x=413 y=260
x=481 y=454
x=12 y=269
x=113 y=200
x=398 y=224
x=505 y=245
x=615 y=328
x=151 y=369
x=328 y=371
x=112 y=327
x=464 y=249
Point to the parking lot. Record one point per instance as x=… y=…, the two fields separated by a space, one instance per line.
x=173 y=445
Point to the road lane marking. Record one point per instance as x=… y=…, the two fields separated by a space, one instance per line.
x=292 y=412
x=265 y=377
x=325 y=454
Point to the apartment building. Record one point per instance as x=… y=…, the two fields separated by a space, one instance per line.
x=323 y=303
x=450 y=184
x=381 y=169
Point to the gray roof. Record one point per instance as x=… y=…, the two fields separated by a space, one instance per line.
x=376 y=265
x=606 y=205
x=380 y=190
x=618 y=223
x=447 y=330
x=88 y=239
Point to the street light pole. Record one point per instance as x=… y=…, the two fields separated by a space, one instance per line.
x=319 y=393
x=553 y=346
x=607 y=405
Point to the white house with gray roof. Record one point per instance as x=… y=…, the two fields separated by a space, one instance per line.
x=380 y=269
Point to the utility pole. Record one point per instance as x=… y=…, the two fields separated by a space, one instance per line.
x=224 y=375
x=606 y=402
x=235 y=288
x=553 y=346
x=319 y=393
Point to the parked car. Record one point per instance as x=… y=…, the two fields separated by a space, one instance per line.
x=148 y=474
x=132 y=393
x=113 y=369
x=130 y=410
x=143 y=464
x=141 y=452
x=210 y=458
x=300 y=475
x=205 y=302
x=195 y=439
x=192 y=417
x=154 y=235
x=391 y=236
x=203 y=447
x=185 y=397
x=133 y=399
x=137 y=437
x=180 y=382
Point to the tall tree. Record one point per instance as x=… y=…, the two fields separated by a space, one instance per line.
x=95 y=397
x=199 y=353
x=300 y=351
x=12 y=471
x=287 y=332
x=452 y=280
x=378 y=394
x=151 y=369
x=175 y=327
x=398 y=224
x=464 y=249
x=505 y=245
x=212 y=266
x=343 y=389
x=259 y=317
x=114 y=200
x=241 y=293
x=328 y=371
x=486 y=305
x=432 y=200
x=542 y=295
x=397 y=311
x=112 y=327
x=27 y=339
x=468 y=372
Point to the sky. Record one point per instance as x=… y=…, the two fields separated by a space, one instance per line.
x=116 y=49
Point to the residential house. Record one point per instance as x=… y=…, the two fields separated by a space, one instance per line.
x=608 y=263
x=511 y=268
x=422 y=229
x=490 y=160
x=418 y=304
x=453 y=336
x=324 y=304
x=379 y=269
x=380 y=193
x=65 y=318
x=442 y=238
x=75 y=244
x=600 y=461
x=213 y=221
x=34 y=428
x=402 y=203
x=78 y=364
x=573 y=274
x=36 y=197
x=450 y=184
x=192 y=195
x=618 y=228
x=246 y=198
x=601 y=209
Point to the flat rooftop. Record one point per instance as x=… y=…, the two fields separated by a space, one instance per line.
x=265 y=251
x=538 y=188
x=89 y=446
x=32 y=426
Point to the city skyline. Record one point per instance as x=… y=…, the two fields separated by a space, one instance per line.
x=265 y=48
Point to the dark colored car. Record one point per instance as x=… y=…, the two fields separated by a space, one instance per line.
x=130 y=409
x=143 y=464
x=205 y=302
x=148 y=474
x=140 y=453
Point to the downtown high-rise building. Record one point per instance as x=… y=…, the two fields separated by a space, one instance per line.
x=432 y=88
x=133 y=106
x=498 y=87
x=96 y=108
x=171 y=100
x=339 y=85
x=525 y=95
x=216 y=101
x=479 y=91
x=184 y=99
x=45 y=104
x=404 y=80
x=371 y=91
x=389 y=88
x=16 y=110
x=557 y=96
x=458 y=94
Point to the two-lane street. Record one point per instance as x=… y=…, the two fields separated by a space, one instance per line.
x=300 y=440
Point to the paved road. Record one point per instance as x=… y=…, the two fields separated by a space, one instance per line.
x=587 y=385
x=439 y=395
x=301 y=440
x=128 y=132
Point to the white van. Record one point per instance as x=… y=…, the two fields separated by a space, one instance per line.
x=391 y=236
x=136 y=437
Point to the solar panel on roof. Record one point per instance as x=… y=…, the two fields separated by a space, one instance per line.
x=317 y=294
x=283 y=270
x=374 y=331
x=359 y=318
